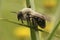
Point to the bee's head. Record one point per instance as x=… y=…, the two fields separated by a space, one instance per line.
x=23 y=14
x=19 y=15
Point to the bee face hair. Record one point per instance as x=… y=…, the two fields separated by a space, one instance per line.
x=23 y=15
x=19 y=15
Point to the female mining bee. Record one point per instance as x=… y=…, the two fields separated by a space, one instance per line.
x=31 y=15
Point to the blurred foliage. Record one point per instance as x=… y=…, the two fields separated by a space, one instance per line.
x=7 y=29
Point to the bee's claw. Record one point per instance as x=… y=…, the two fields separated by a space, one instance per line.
x=22 y=21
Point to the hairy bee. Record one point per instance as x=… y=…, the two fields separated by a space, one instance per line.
x=37 y=18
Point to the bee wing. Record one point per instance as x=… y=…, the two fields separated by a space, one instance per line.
x=43 y=16
x=46 y=17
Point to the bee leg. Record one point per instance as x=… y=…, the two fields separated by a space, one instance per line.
x=22 y=20
x=35 y=25
x=28 y=19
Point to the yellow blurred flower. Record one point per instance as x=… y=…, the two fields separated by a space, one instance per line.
x=22 y=32
x=49 y=3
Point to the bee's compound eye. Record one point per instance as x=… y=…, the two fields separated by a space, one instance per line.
x=41 y=22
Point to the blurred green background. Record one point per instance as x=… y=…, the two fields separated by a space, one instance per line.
x=11 y=31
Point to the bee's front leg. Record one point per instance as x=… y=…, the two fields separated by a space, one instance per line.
x=28 y=19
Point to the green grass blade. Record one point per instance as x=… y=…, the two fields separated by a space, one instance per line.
x=52 y=34
x=28 y=4
x=56 y=23
x=34 y=34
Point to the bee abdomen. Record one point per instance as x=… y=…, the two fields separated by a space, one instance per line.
x=41 y=22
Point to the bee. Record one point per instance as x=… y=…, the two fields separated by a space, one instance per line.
x=31 y=15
